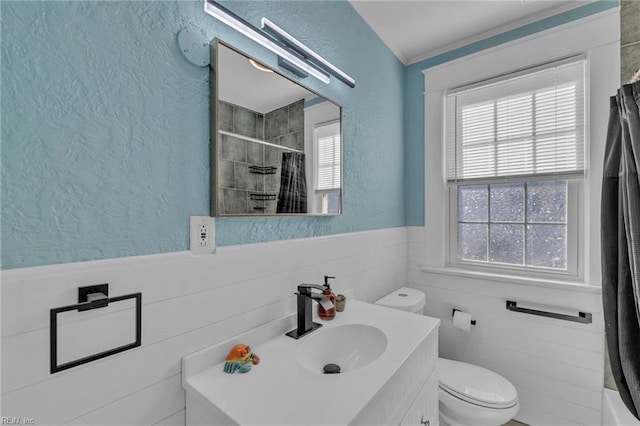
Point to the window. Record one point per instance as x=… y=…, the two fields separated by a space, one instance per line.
x=515 y=165
x=328 y=166
x=523 y=223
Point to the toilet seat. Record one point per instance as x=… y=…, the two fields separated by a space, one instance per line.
x=476 y=385
x=456 y=412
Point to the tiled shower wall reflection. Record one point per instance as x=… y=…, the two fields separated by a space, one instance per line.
x=284 y=127
x=629 y=38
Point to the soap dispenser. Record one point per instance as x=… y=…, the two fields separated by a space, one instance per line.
x=327 y=314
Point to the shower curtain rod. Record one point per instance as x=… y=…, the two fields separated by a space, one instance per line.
x=246 y=138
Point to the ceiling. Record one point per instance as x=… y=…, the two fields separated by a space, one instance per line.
x=243 y=84
x=415 y=30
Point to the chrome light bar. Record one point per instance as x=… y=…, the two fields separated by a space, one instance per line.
x=229 y=18
x=285 y=46
x=307 y=53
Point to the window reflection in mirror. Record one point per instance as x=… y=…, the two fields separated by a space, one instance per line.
x=277 y=145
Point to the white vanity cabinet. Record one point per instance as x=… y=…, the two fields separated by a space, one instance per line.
x=398 y=386
x=424 y=409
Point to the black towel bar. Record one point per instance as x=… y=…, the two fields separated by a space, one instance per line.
x=85 y=306
x=582 y=317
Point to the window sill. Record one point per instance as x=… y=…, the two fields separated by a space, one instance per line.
x=576 y=286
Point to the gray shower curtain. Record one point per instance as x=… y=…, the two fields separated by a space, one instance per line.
x=620 y=234
x=293 y=184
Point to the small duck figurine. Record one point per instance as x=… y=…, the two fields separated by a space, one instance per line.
x=238 y=359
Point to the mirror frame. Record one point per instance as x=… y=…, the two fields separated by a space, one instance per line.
x=215 y=138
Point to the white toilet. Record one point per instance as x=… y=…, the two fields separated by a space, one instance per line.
x=469 y=395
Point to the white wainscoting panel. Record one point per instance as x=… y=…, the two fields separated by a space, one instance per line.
x=556 y=365
x=188 y=303
x=177 y=419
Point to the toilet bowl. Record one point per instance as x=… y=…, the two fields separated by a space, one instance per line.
x=469 y=395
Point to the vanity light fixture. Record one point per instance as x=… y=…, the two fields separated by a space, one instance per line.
x=229 y=18
x=292 y=54
x=307 y=53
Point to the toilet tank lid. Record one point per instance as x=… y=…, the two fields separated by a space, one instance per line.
x=476 y=384
x=405 y=299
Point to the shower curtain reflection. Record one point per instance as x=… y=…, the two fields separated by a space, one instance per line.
x=293 y=184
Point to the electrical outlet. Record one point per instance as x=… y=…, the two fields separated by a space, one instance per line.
x=202 y=234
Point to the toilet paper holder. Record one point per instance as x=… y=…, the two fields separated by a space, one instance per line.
x=473 y=322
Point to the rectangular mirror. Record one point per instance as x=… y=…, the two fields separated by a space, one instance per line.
x=276 y=145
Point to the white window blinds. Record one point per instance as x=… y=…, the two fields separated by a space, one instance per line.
x=526 y=124
x=328 y=166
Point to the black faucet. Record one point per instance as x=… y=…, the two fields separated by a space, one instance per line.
x=305 y=296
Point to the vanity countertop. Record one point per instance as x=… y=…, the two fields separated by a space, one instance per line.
x=280 y=391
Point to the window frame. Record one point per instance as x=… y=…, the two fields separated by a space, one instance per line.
x=575 y=228
x=575 y=220
x=598 y=41
x=321 y=196
x=316 y=156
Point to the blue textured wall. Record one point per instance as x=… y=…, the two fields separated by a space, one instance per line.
x=104 y=142
x=105 y=127
x=414 y=99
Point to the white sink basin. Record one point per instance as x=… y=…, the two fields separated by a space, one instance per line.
x=350 y=346
x=385 y=356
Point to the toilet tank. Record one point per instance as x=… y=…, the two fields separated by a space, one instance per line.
x=404 y=299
